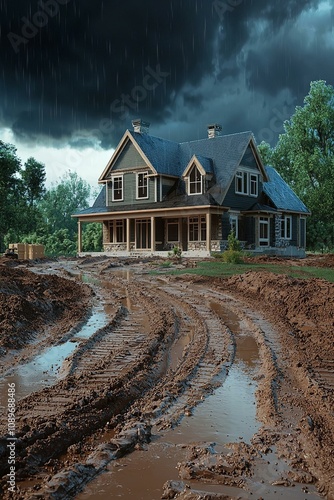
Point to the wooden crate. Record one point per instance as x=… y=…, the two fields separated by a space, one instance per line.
x=35 y=251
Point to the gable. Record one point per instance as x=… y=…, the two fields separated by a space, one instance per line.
x=194 y=163
x=248 y=159
x=127 y=156
x=128 y=159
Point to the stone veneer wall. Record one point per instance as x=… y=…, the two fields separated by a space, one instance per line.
x=114 y=247
x=197 y=245
x=106 y=234
x=215 y=245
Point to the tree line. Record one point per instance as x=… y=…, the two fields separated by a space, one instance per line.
x=30 y=213
x=303 y=155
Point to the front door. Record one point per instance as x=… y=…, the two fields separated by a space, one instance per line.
x=143 y=234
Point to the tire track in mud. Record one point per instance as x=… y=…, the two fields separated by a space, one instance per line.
x=205 y=358
x=101 y=370
x=178 y=368
x=165 y=350
x=105 y=377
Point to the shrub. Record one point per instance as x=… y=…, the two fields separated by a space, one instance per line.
x=233 y=242
x=233 y=254
x=176 y=252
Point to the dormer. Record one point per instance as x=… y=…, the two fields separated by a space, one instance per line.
x=197 y=173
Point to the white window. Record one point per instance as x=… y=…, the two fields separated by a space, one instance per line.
x=195 y=181
x=234 y=225
x=117 y=231
x=142 y=185
x=246 y=183
x=264 y=231
x=197 y=228
x=286 y=227
x=253 y=184
x=239 y=183
x=117 y=188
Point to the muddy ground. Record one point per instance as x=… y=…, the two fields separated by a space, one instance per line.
x=126 y=379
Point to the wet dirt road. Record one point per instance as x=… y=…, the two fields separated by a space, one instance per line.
x=175 y=368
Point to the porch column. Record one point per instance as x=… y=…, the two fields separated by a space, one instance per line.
x=208 y=232
x=79 y=236
x=152 y=234
x=128 y=235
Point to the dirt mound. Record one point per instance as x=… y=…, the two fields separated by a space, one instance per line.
x=307 y=305
x=326 y=260
x=29 y=302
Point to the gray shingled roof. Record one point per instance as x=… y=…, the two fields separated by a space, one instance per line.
x=179 y=201
x=164 y=155
x=281 y=194
x=206 y=163
x=226 y=152
x=222 y=154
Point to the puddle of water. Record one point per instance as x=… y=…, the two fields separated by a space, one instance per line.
x=41 y=372
x=97 y=320
x=177 y=349
x=139 y=476
x=227 y=415
x=45 y=369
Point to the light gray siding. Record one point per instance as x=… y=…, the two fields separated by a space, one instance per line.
x=129 y=159
x=130 y=191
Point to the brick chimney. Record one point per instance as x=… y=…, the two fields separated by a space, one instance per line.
x=140 y=126
x=214 y=130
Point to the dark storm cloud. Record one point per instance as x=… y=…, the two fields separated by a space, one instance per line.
x=70 y=66
x=98 y=60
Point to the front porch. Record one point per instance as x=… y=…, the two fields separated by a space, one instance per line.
x=197 y=232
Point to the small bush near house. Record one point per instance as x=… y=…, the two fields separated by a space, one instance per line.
x=176 y=252
x=233 y=254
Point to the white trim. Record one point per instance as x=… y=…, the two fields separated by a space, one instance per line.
x=121 y=145
x=246 y=189
x=264 y=221
x=194 y=183
x=284 y=221
x=113 y=225
x=112 y=187
x=194 y=161
x=235 y=218
x=137 y=186
x=199 y=229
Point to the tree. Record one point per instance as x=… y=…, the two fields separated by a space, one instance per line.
x=92 y=237
x=304 y=156
x=266 y=152
x=59 y=203
x=33 y=177
x=10 y=166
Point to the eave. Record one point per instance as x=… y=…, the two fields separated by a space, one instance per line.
x=162 y=212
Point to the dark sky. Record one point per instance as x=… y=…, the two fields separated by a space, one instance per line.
x=78 y=71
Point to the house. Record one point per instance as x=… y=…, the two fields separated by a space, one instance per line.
x=158 y=194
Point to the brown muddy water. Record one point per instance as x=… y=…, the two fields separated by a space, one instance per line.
x=44 y=369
